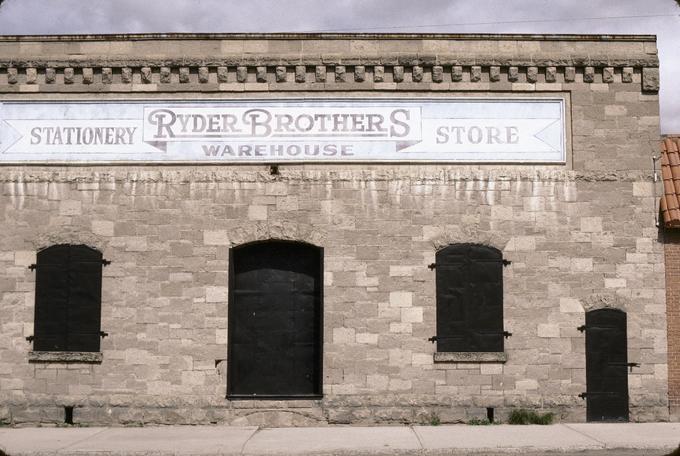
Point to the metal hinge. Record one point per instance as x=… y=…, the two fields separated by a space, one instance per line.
x=103 y=334
x=432 y=266
x=105 y=262
x=582 y=328
x=507 y=262
x=583 y=395
x=507 y=334
x=30 y=338
x=32 y=267
x=432 y=339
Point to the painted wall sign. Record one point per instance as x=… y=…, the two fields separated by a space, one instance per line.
x=272 y=131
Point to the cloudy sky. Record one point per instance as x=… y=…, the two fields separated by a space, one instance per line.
x=658 y=17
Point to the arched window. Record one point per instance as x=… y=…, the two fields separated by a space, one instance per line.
x=68 y=286
x=469 y=299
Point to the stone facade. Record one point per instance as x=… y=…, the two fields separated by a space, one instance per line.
x=580 y=235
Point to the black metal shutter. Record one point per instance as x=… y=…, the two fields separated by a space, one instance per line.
x=51 y=299
x=469 y=299
x=68 y=299
x=84 y=309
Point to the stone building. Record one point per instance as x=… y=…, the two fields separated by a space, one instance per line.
x=303 y=229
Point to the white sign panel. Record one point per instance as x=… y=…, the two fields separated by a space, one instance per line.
x=273 y=131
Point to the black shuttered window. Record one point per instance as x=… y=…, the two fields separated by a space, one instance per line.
x=68 y=288
x=469 y=299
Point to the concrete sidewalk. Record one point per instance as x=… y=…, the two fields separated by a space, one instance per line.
x=584 y=439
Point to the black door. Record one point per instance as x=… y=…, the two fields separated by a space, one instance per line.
x=606 y=365
x=275 y=320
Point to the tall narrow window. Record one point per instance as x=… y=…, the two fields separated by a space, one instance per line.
x=68 y=288
x=469 y=299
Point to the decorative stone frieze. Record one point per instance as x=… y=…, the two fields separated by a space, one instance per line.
x=475 y=73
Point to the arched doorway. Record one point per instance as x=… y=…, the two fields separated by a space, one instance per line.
x=275 y=320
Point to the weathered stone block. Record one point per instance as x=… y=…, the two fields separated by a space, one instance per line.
x=241 y=73
x=588 y=74
x=12 y=77
x=88 y=75
x=165 y=75
x=378 y=73
x=31 y=75
x=50 y=75
x=456 y=73
x=532 y=74
x=475 y=73
x=222 y=74
x=184 y=75
x=320 y=73
x=203 y=74
x=300 y=73
x=68 y=75
x=627 y=74
x=398 y=73
x=339 y=73
x=107 y=75
x=550 y=74
x=417 y=73
x=359 y=73
x=608 y=75
x=437 y=73
x=569 y=74
x=650 y=79
x=126 y=75
x=146 y=75
x=513 y=74
x=494 y=73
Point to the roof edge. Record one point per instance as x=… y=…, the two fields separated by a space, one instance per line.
x=328 y=36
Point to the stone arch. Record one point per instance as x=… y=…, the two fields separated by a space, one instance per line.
x=597 y=301
x=69 y=235
x=468 y=235
x=285 y=231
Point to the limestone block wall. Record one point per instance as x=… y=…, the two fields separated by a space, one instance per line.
x=579 y=235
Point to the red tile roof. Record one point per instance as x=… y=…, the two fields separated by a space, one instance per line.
x=670 y=173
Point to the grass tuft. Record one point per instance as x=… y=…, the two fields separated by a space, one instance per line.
x=524 y=416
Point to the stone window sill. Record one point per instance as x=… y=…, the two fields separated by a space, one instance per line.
x=64 y=357
x=470 y=357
